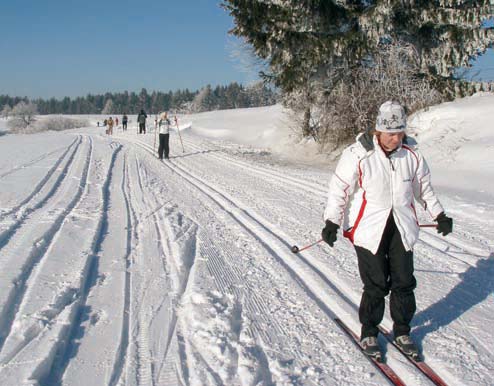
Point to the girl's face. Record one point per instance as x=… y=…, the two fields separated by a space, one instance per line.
x=390 y=141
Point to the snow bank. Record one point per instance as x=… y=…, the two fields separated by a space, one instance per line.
x=457 y=139
x=268 y=128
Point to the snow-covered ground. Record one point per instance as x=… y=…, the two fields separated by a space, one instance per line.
x=119 y=269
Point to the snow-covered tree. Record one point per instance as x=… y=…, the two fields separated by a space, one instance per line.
x=6 y=111
x=108 y=109
x=203 y=100
x=318 y=47
x=259 y=94
x=23 y=114
x=307 y=38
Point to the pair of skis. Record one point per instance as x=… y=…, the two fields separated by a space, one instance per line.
x=387 y=370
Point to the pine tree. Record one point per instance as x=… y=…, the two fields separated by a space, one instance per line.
x=304 y=39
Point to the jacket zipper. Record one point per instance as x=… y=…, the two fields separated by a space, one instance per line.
x=398 y=225
x=391 y=163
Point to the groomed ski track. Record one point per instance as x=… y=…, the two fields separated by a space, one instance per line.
x=121 y=269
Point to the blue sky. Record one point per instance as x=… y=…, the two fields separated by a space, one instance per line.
x=75 y=47
x=72 y=47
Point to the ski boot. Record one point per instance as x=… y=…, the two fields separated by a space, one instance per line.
x=370 y=347
x=409 y=348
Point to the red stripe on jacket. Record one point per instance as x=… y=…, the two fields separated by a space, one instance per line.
x=350 y=234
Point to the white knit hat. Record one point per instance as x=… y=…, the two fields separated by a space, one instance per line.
x=391 y=118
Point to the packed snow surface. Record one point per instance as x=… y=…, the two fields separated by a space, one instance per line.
x=117 y=268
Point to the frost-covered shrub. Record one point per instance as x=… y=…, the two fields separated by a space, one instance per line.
x=61 y=123
x=22 y=115
x=351 y=106
x=55 y=123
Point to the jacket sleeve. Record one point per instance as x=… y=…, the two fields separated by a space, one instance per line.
x=341 y=186
x=423 y=191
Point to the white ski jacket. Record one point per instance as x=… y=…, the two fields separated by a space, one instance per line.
x=367 y=186
x=164 y=126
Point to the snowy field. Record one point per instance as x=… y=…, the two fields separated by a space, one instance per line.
x=119 y=269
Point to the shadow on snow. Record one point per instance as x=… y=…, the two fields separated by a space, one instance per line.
x=476 y=285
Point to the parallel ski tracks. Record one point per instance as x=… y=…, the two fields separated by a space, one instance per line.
x=229 y=279
x=36 y=200
x=261 y=230
x=42 y=243
x=140 y=330
x=122 y=351
x=20 y=207
x=34 y=161
x=89 y=278
x=310 y=187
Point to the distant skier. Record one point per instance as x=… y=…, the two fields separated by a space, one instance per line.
x=110 y=126
x=116 y=122
x=141 y=120
x=125 y=119
x=164 y=130
x=371 y=195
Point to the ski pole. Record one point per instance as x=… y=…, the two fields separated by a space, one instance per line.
x=154 y=145
x=296 y=249
x=428 y=225
x=178 y=129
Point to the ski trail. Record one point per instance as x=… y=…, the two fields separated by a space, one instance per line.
x=224 y=280
x=36 y=160
x=454 y=248
x=144 y=371
x=13 y=293
x=23 y=210
x=310 y=187
x=234 y=152
x=46 y=307
x=119 y=364
x=180 y=252
x=68 y=346
x=44 y=180
x=176 y=261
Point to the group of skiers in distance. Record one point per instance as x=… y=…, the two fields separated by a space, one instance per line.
x=110 y=122
x=161 y=125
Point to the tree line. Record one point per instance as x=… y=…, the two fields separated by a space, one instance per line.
x=208 y=98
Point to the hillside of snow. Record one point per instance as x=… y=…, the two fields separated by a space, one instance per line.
x=117 y=268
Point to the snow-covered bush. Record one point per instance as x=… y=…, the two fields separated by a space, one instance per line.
x=55 y=123
x=58 y=123
x=22 y=115
x=351 y=106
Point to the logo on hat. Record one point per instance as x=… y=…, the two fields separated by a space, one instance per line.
x=391 y=118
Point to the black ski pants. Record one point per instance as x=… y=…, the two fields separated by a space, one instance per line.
x=164 y=145
x=142 y=128
x=124 y=125
x=390 y=269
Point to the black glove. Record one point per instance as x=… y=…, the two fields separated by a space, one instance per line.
x=444 y=224
x=329 y=232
